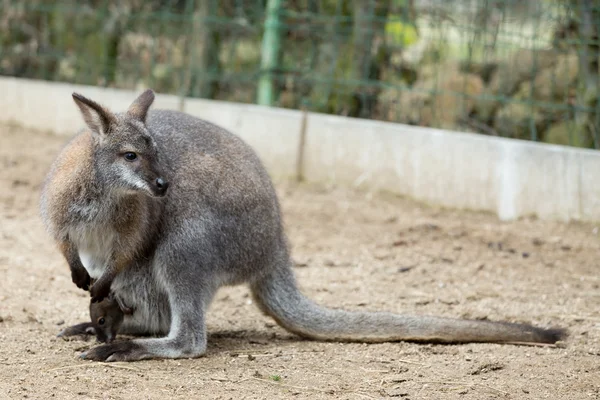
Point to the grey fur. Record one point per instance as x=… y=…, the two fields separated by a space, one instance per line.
x=220 y=224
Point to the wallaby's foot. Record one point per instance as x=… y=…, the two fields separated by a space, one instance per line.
x=84 y=330
x=101 y=288
x=80 y=277
x=142 y=349
x=121 y=351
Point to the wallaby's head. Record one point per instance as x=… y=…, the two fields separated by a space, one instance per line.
x=107 y=317
x=125 y=155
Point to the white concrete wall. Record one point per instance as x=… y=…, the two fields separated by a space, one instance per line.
x=511 y=178
x=50 y=106
x=273 y=133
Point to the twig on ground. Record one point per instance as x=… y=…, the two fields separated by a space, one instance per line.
x=552 y=345
x=465 y=384
x=306 y=388
x=111 y=365
x=375 y=370
x=314 y=389
x=414 y=363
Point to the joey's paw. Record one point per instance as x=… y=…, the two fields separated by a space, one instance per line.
x=121 y=351
x=80 y=277
x=100 y=290
x=84 y=331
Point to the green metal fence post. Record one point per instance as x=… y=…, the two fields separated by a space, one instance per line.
x=271 y=45
x=588 y=87
x=207 y=73
x=190 y=53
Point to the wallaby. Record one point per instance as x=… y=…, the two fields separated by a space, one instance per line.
x=106 y=320
x=218 y=224
x=107 y=317
x=92 y=203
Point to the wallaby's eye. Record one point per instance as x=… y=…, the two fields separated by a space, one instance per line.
x=130 y=156
x=101 y=321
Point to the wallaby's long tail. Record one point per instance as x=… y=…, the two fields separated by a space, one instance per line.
x=279 y=297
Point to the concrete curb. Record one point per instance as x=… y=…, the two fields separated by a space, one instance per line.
x=511 y=178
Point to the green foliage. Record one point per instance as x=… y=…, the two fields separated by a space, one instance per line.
x=502 y=67
x=568 y=133
x=400 y=33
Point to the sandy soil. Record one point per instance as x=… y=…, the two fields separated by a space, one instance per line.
x=353 y=250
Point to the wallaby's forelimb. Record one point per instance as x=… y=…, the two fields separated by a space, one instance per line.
x=278 y=296
x=101 y=288
x=83 y=329
x=79 y=274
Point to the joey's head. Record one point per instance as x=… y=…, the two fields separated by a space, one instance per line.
x=126 y=157
x=107 y=317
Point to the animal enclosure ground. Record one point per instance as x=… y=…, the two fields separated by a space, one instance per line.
x=352 y=250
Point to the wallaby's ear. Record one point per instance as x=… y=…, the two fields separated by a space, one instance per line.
x=124 y=308
x=98 y=118
x=139 y=108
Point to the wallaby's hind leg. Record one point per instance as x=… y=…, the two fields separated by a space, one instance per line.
x=188 y=303
x=187 y=338
x=143 y=349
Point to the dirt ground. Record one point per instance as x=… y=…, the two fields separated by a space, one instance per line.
x=353 y=250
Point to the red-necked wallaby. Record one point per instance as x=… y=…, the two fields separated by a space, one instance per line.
x=91 y=202
x=106 y=320
x=166 y=252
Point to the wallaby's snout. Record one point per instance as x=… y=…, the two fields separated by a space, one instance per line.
x=161 y=186
x=101 y=337
x=105 y=336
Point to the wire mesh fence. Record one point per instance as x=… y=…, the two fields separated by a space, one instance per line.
x=525 y=69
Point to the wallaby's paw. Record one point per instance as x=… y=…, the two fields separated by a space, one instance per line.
x=84 y=331
x=121 y=351
x=80 y=277
x=100 y=290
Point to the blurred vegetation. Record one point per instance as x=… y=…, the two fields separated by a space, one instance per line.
x=525 y=69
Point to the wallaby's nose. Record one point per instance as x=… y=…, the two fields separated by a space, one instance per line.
x=162 y=185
